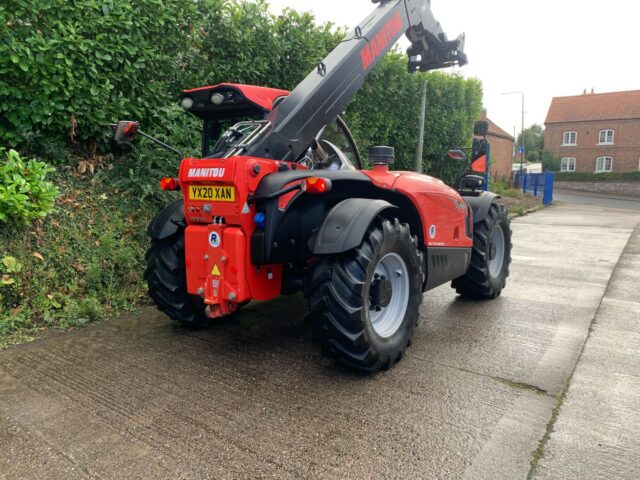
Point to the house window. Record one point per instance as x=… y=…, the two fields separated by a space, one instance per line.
x=570 y=138
x=606 y=137
x=604 y=164
x=568 y=164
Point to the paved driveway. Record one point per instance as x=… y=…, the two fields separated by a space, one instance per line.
x=139 y=398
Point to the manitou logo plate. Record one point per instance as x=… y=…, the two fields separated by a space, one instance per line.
x=206 y=172
x=378 y=45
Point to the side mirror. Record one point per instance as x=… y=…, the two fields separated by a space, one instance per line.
x=457 y=155
x=481 y=128
x=126 y=131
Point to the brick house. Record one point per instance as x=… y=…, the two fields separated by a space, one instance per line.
x=501 y=150
x=595 y=132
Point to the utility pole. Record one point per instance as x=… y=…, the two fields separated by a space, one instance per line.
x=423 y=116
x=522 y=153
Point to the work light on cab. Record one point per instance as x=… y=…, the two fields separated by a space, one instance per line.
x=217 y=99
x=316 y=185
x=169 y=184
x=187 y=103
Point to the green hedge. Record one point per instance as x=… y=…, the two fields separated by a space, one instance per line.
x=386 y=112
x=598 y=177
x=72 y=67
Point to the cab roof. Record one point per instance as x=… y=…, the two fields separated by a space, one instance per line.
x=237 y=101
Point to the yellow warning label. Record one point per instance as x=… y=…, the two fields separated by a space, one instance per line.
x=216 y=271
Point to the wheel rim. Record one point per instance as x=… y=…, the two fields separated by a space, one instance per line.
x=390 y=292
x=496 y=251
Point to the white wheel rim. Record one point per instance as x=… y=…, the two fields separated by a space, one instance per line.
x=387 y=320
x=496 y=248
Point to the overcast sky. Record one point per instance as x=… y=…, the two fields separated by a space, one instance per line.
x=545 y=47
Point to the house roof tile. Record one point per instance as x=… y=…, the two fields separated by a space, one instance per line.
x=594 y=107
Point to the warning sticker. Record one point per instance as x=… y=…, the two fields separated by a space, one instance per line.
x=216 y=271
x=246 y=208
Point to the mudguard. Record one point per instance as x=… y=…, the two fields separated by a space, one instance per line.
x=167 y=222
x=480 y=205
x=346 y=224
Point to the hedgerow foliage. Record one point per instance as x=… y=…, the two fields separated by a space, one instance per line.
x=25 y=193
x=94 y=60
x=73 y=67
x=386 y=112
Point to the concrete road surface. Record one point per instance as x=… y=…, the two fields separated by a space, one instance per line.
x=600 y=200
x=478 y=395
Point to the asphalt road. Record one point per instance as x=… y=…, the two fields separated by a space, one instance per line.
x=600 y=200
x=473 y=398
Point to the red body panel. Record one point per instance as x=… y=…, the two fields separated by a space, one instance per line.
x=237 y=275
x=218 y=234
x=480 y=165
x=261 y=96
x=442 y=210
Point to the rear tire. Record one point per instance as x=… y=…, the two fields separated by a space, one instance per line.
x=490 y=259
x=167 y=280
x=365 y=303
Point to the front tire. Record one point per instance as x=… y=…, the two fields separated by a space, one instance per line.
x=167 y=280
x=365 y=302
x=490 y=259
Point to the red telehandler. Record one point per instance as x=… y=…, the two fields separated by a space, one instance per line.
x=279 y=203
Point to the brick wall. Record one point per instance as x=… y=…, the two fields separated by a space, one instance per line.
x=625 y=151
x=501 y=150
x=501 y=157
x=630 y=189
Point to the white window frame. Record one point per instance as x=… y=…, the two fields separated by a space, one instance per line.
x=566 y=164
x=606 y=134
x=603 y=168
x=569 y=135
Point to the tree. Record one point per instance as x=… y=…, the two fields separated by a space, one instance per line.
x=533 y=142
x=550 y=162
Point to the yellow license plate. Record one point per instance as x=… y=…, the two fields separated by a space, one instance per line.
x=212 y=194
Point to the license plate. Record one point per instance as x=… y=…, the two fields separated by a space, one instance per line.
x=212 y=194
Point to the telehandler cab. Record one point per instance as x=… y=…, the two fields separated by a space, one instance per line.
x=278 y=203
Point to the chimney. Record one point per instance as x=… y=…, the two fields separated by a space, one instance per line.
x=593 y=91
x=484 y=114
x=584 y=92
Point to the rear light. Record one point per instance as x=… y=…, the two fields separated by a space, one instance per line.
x=316 y=185
x=130 y=129
x=169 y=184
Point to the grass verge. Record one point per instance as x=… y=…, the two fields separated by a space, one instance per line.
x=83 y=263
